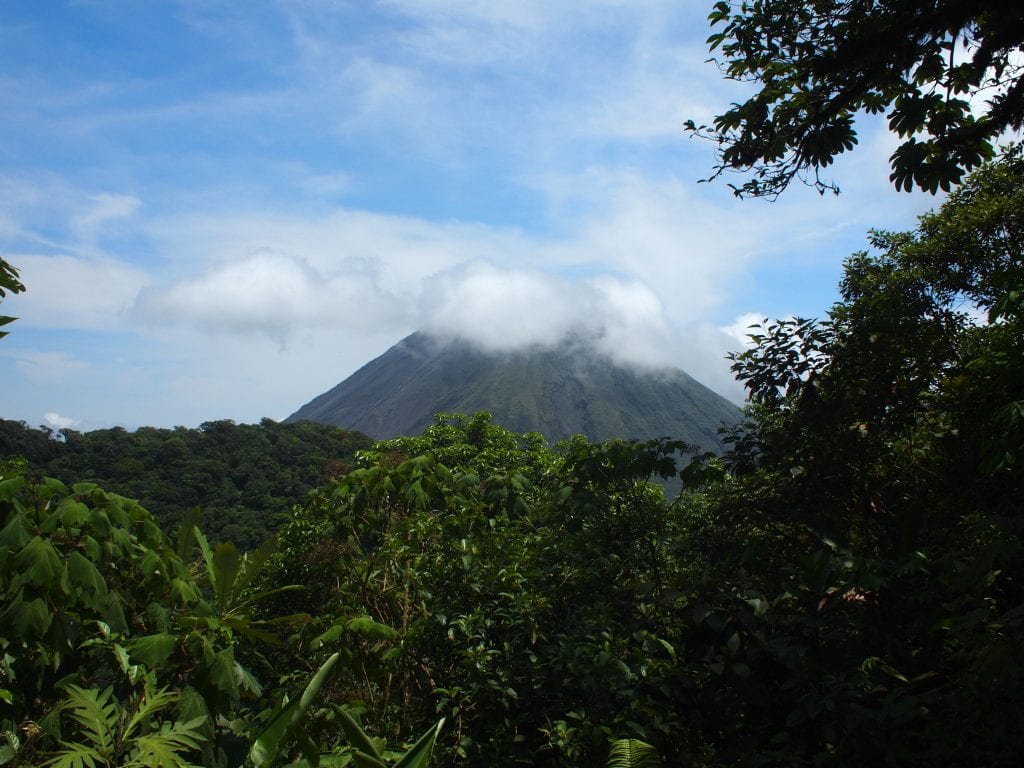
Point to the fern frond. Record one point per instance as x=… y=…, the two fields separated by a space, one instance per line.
x=164 y=748
x=97 y=714
x=153 y=752
x=149 y=706
x=76 y=756
x=633 y=753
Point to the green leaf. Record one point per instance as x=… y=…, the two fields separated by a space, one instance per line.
x=227 y=564
x=150 y=705
x=364 y=760
x=372 y=630
x=419 y=753
x=11 y=487
x=152 y=650
x=41 y=565
x=356 y=735
x=247 y=681
x=72 y=513
x=221 y=671
x=96 y=714
x=30 y=619
x=91 y=585
x=15 y=534
x=76 y=756
x=268 y=744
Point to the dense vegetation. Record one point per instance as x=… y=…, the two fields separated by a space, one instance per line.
x=843 y=587
x=244 y=477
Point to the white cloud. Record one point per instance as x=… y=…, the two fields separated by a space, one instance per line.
x=60 y=422
x=270 y=293
x=506 y=309
x=742 y=327
x=73 y=292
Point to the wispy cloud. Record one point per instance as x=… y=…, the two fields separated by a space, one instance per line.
x=74 y=292
x=47 y=367
x=105 y=208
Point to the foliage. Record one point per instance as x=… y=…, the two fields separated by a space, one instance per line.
x=245 y=477
x=8 y=282
x=114 y=735
x=873 y=551
x=817 y=65
x=116 y=652
x=517 y=590
x=367 y=754
x=287 y=724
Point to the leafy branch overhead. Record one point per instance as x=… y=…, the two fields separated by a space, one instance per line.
x=947 y=74
x=9 y=281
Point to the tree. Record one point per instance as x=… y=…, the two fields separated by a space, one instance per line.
x=8 y=282
x=881 y=524
x=821 y=63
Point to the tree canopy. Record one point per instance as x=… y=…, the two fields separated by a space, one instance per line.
x=927 y=65
x=244 y=477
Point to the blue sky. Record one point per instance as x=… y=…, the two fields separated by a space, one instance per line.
x=222 y=208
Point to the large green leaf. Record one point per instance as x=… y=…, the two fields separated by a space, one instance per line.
x=29 y=619
x=372 y=630
x=88 y=581
x=11 y=487
x=227 y=564
x=152 y=650
x=364 y=760
x=15 y=534
x=274 y=737
x=356 y=736
x=164 y=748
x=220 y=669
x=41 y=565
x=418 y=755
x=72 y=513
x=76 y=756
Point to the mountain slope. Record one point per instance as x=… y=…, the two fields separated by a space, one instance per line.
x=558 y=392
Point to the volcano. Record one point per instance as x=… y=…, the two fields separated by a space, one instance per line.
x=558 y=391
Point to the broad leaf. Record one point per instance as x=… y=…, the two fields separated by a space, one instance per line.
x=418 y=755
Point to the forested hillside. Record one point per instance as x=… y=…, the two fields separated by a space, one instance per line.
x=244 y=477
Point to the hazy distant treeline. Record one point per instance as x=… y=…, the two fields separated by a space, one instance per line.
x=243 y=477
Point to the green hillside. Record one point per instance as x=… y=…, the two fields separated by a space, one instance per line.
x=244 y=477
